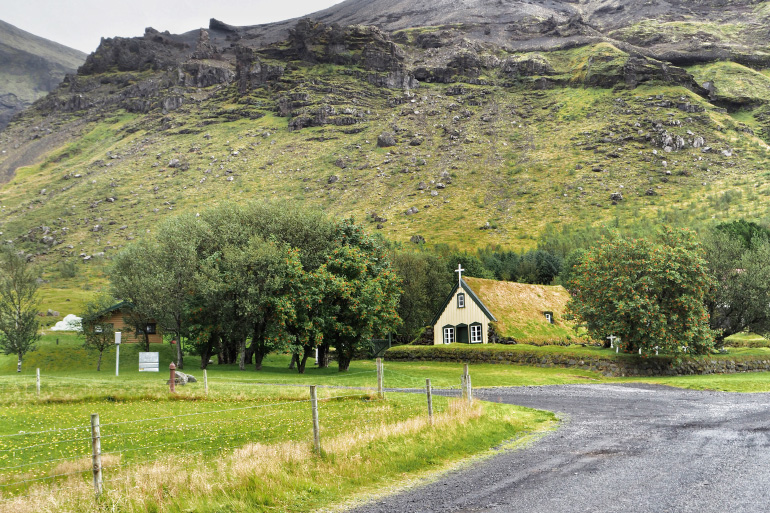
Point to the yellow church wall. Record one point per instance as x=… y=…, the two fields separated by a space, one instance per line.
x=453 y=315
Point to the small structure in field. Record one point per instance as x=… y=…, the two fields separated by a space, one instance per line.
x=463 y=318
x=117 y=315
x=505 y=312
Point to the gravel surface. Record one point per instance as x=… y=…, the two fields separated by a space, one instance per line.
x=620 y=448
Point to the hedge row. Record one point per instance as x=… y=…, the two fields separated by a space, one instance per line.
x=608 y=365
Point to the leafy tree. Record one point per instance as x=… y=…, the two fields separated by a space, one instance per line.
x=272 y=278
x=172 y=275
x=282 y=277
x=739 y=297
x=360 y=298
x=18 y=304
x=97 y=334
x=650 y=294
x=132 y=278
x=472 y=265
x=745 y=231
x=501 y=263
x=570 y=263
x=425 y=282
x=538 y=267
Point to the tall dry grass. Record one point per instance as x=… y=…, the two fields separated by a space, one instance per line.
x=156 y=486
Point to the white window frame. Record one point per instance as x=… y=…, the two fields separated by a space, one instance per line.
x=449 y=335
x=476 y=334
x=461 y=300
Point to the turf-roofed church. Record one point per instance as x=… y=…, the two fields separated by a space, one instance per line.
x=463 y=318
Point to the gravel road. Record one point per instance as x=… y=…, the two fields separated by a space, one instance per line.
x=621 y=448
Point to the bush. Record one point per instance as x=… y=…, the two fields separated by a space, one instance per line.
x=67 y=269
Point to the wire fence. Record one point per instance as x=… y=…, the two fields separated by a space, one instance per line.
x=56 y=456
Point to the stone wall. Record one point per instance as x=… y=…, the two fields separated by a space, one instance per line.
x=625 y=365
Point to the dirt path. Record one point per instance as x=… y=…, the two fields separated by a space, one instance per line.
x=622 y=448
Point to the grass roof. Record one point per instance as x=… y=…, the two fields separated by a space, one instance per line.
x=520 y=308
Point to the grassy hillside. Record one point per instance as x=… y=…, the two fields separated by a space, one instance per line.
x=558 y=142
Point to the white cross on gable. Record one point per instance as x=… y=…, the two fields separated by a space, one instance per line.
x=459 y=272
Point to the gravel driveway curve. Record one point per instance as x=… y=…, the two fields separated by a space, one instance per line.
x=621 y=448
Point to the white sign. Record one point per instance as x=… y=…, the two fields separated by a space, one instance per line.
x=117 y=353
x=149 y=362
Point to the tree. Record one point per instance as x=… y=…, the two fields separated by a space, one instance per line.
x=650 y=294
x=425 y=282
x=172 y=275
x=361 y=296
x=739 y=296
x=97 y=334
x=745 y=231
x=18 y=304
x=271 y=276
x=472 y=265
x=131 y=276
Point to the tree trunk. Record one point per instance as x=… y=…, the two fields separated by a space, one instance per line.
x=206 y=353
x=344 y=357
x=294 y=359
x=146 y=341
x=250 y=350
x=305 y=355
x=179 y=355
x=258 y=357
x=242 y=354
x=258 y=345
x=18 y=366
x=99 y=362
x=323 y=356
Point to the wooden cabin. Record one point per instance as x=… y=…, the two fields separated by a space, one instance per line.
x=116 y=316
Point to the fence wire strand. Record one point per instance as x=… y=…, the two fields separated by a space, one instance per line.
x=340 y=420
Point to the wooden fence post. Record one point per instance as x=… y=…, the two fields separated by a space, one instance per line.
x=38 y=382
x=96 y=453
x=429 y=393
x=464 y=381
x=380 y=391
x=316 y=426
x=469 y=389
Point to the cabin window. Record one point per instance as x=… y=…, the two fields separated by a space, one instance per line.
x=476 y=337
x=449 y=335
x=460 y=300
x=150 y=329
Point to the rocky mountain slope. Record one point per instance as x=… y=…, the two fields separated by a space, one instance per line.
x=30 y=67
x=469 y=122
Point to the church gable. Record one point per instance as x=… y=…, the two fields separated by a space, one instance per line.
x=463 y=318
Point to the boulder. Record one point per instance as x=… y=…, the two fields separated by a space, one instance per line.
x=386 y=140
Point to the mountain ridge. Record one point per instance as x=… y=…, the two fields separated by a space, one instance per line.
x=430 y=133
x=32 y=67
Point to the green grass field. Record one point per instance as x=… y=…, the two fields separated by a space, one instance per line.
x=247 y=444
x=244 y=446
